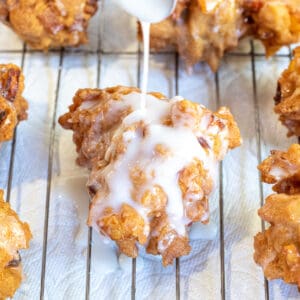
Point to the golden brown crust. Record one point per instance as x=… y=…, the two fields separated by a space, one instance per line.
x=282 y=169
x=84 y=132
x=277 y=248
x=49 y=24
x=12 y=105
x=202 y=30
x=199 y=35
x=287 y=98
x=95 y=117
x=14 y=236
x=275 y=23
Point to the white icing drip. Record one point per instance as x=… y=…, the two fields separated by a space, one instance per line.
x=6 y=122
x=184 y=147
x=181 y=144
x=71 y=190
x=166 y=242
x=211 y=4
x=87 y=105
x=125 y=263
x=156 y=109
x=148 y=11
x=104 y=255
x=278 y=173
x=61 y=7
x=201 y=231
x=146 y=38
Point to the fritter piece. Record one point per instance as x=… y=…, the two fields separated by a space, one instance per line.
x=49 y=24
x=14 y=236
x=283 y=169
x=275 y=23
x=202 y=30
x=200 y=34
x=277 y=248
x=152 y=170
x=12 y=105
x=287 y=99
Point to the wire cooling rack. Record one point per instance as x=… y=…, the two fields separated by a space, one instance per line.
x=245 y=82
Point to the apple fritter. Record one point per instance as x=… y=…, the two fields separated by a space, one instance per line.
x=12 y=105
x=14 y=236
x=203 y=30
x=277 y=248
x=152 y=168
x=287 y=98
x=49 y=24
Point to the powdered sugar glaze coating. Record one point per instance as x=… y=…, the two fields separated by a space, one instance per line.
x=152 y=170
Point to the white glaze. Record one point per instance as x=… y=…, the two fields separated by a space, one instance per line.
x=182 y=144
x=72 y=190
x=201 y=231
x=211 y=4
x=104 y=255
x=125 y=263
x=6 y=122
x=278 y=173
x=147 y=12
x=146 y=40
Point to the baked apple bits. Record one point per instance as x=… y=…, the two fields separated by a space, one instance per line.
x=152 y=169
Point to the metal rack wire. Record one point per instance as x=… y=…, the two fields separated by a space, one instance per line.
x=99 y=54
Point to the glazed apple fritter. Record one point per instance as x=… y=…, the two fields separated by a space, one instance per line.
x=151 y=171
x=12 y=105
x=202 y=30
x=287 y=99
x=14 y=236
x=49 y=24
x=277 y=249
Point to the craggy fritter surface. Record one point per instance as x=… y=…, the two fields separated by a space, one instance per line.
x=96 y=125
x=275 y=23
x=277 y=249
x=202 y=30
x=14 y=236
x=49 y=24
x=200 y=35
x=12 y=105
x=287 y=99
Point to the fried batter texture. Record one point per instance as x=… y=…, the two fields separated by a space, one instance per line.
x=202 y=30
x=277 y=248
x=14 y=236
x=151 y=171
x=200 y=34
x=287 y=99
x=275 y=23
x=49 y=24
x=12 y=105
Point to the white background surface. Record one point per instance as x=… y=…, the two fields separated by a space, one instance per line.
x=113 y=32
